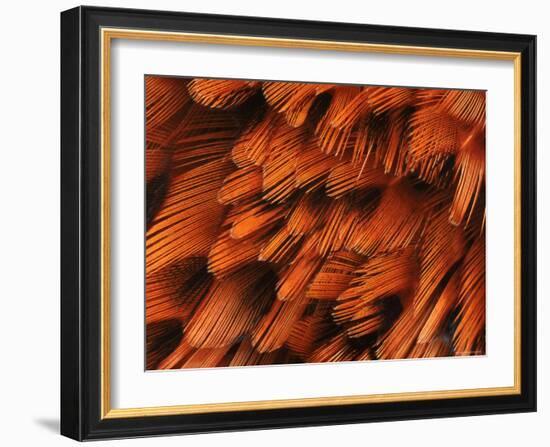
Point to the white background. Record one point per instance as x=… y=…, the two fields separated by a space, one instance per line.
x=29 y=181
x=132 y=387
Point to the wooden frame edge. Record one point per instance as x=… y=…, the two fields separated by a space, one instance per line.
x=106 y=36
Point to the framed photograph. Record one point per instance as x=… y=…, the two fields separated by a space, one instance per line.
x=274 y=223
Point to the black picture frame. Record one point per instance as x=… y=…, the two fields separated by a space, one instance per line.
x=81 y=210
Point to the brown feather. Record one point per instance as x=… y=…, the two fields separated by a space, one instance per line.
x=220 y=93
x=396 y=223
x=332 y=138
x=336 y=349
x=190 y=218
x=279 y=170
x=276 y=326
x=231 y=308
x=164 y=98
x=335 y=276
x=470 y=176
x=297 y=222
x=293 y=99
x=247 y=355
x=173 y=292
x=241 y=185
x=307 y=333
x=471 y=317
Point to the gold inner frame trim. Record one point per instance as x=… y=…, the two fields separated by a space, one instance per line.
x=107 y=35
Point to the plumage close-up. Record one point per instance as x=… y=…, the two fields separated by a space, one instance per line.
x=303 y=223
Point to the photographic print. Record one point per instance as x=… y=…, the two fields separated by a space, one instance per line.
x=297 y=222
x=271 y=223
